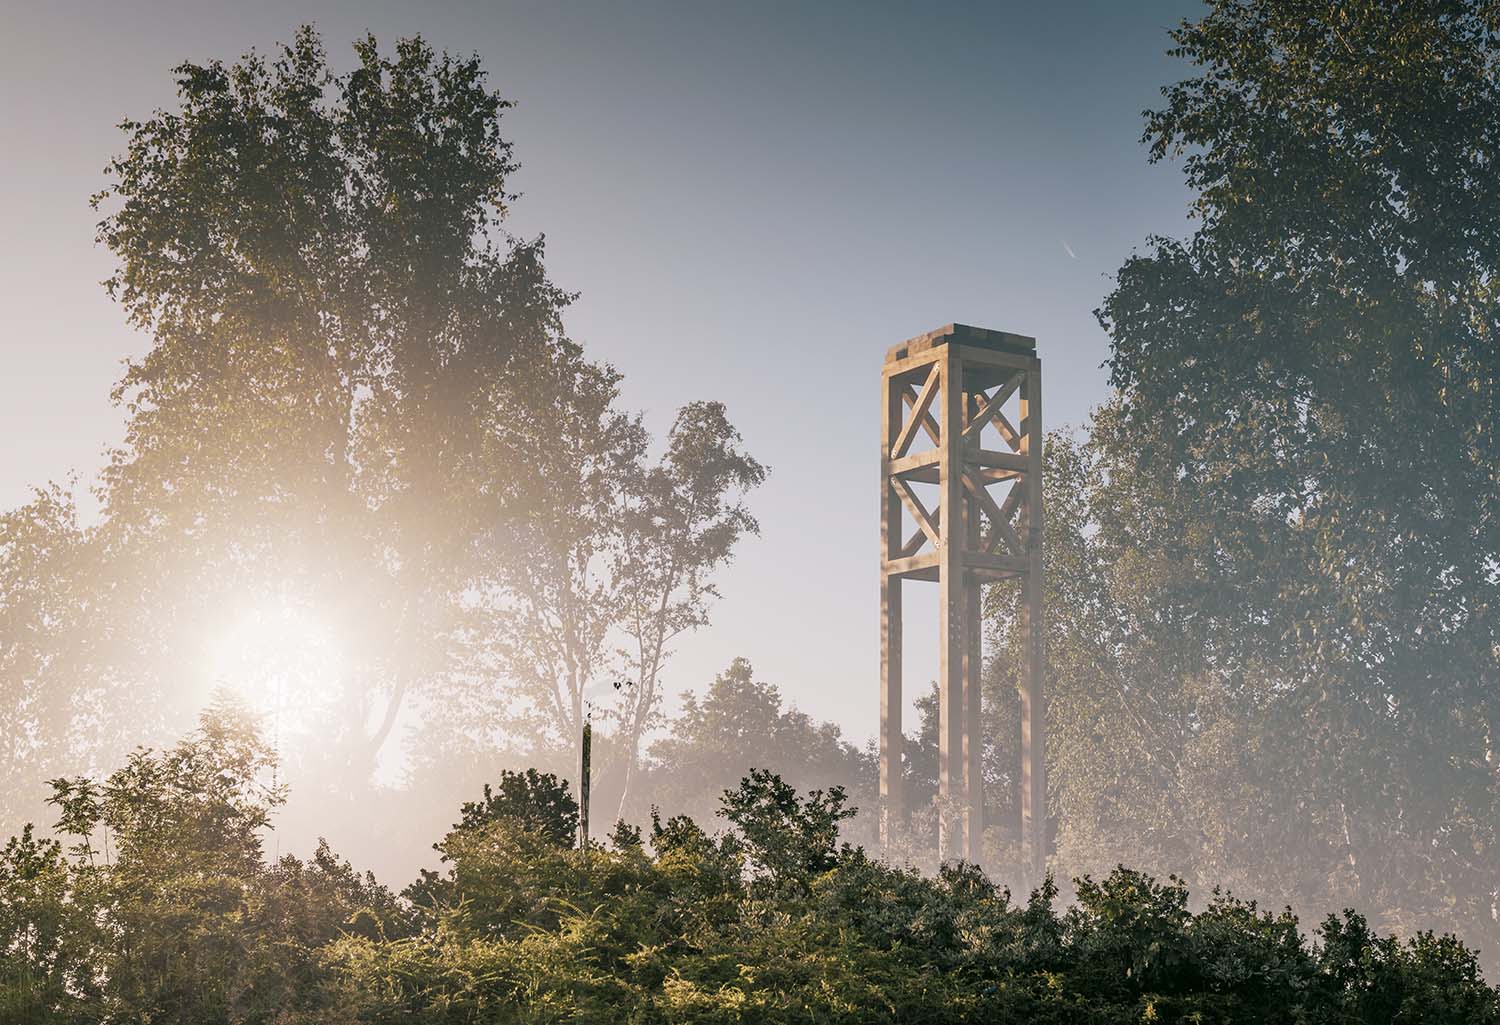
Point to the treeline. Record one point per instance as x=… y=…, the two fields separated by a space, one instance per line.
x=162 y=908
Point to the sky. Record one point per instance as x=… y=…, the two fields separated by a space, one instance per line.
x=753 y=200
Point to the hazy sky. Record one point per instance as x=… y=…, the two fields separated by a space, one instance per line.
x=755 y=201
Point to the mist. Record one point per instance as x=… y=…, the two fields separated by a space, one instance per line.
x=389 y=510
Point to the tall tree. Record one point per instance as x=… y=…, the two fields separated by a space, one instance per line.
x=614 y=563
x=360 y=435
x=556 y=583
x=335 y=320
x=51 y=684
x=685 y=517
x=736 y=724
x=1302 y=455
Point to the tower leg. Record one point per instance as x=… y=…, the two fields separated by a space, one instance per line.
x=892 y=799
x=1033 y=701
x=892 y=795
x=1033 y=764
x=973 y=725
x=953 y=624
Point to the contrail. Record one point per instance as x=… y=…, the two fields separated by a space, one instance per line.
x=1068 y=249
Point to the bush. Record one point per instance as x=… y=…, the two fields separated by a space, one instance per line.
x=179 y=919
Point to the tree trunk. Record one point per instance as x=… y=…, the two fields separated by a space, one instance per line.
x=632 y=758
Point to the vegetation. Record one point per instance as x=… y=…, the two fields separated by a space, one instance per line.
x=163 y=909
x=1274 y=563
x=738 y=724
x=1273 y=593
x=361 y=432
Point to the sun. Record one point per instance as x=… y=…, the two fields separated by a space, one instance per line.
x=285 y=661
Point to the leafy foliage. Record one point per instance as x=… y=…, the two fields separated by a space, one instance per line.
x=790 y=838
x=1273 y=567
x=164 y=907
x=737 y=723
x=337 y=322
x=772 y=921
x=614 y=562
x=359 y=405
x=536 y=801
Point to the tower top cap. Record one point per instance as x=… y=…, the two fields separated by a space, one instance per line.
x=963 y=334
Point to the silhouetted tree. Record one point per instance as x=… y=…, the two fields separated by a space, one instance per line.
x=53 y=683
x=790 y=838
x=683 y=521
x=534 y=800
x=341 y=337
x=615 y=563
x=1273 y=576
x=738 y=724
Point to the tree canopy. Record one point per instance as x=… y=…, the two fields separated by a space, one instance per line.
x=1275 y=563
x=360 y=432
x=737 y=724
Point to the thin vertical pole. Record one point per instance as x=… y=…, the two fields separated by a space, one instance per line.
x=585 y=746
x=1033 y=700
x=952 y=612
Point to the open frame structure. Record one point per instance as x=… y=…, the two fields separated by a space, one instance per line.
x=962 y=511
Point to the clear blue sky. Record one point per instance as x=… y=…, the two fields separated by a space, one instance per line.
x=754 y=200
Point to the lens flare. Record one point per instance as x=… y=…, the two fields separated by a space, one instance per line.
x=285 y=662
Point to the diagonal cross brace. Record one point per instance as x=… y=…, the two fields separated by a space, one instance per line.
x=928 y=523
x=919 y=410
x=990 y=410
x=998 y=517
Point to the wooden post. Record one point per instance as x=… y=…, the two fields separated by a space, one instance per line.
x=585 y=746
x=953 y=385
x=953 y=650
x=892 y=796
x=1033 y=700
x=973 y=740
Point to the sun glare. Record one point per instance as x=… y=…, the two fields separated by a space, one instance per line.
x=285 y=662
